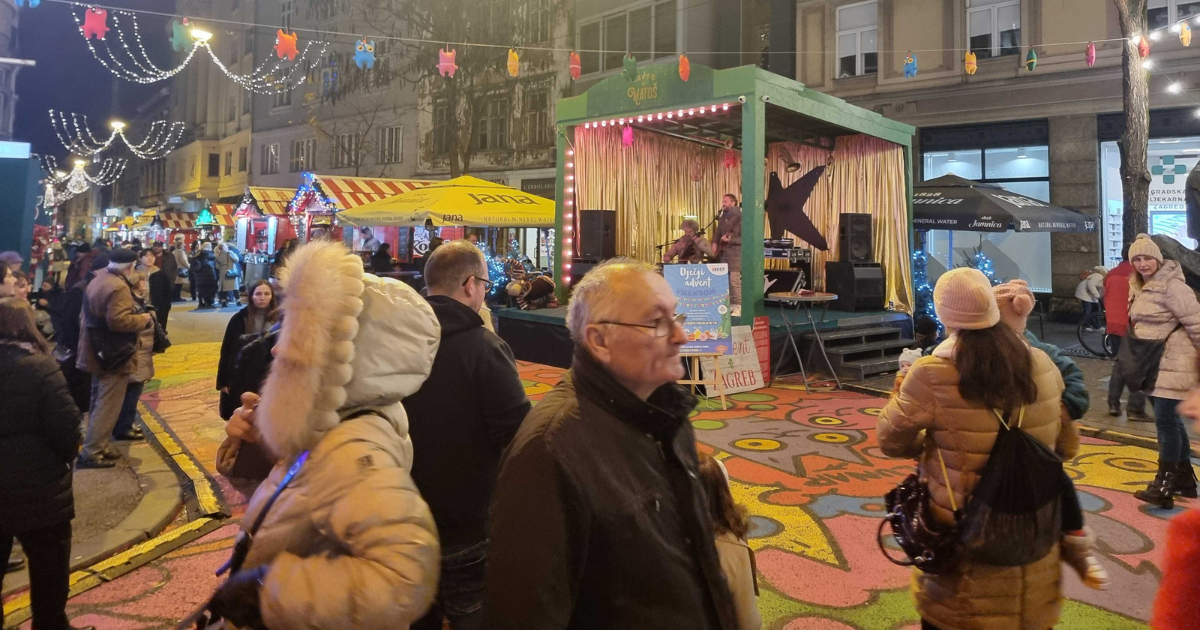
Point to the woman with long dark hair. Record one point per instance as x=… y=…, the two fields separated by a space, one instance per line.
x=257 y=317
x=39 y=438
x=731 y=522
x=949 y=409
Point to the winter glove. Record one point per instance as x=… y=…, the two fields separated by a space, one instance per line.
x=237 y=599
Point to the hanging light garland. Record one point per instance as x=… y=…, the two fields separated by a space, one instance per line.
x=134 y=64
x=77 y=137
x=78 y=181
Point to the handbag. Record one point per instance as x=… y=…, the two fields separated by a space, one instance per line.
x=205 y=619
x=183 y=272
x=112 y=349
x=161 y=340
x=1139 y=359
x=930 y=546
x=231 y=273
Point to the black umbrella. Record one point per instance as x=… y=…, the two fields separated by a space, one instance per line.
x=953 y=203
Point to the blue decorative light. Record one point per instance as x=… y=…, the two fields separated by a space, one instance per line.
x=496 y=272
x=310 y=188
x=921 y=289
x=983 y=263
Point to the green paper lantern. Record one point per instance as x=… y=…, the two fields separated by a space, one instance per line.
x=1031 y=60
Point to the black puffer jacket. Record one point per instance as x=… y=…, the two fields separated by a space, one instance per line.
x=39 y=438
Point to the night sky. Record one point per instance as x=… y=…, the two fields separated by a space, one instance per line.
x=68 y=78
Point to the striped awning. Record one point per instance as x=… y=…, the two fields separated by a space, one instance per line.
x=222 y=214
x=272 y=201
x=351 y=192
x=176 y=220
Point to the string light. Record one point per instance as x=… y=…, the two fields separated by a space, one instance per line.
x=78 y=181
x=79 y=139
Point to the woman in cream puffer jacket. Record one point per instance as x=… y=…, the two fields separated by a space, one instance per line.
x=929 y=413
x=349 y=543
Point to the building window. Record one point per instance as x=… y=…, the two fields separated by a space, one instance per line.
x=346 y=152
x=283 y=98
x=228 y=163
x=329 y=76
x=231 y=109
x=287 y=10
x=270 y=159
x=537 y=21
x=442 y=134
x=1023 y=255
x=304 y=155
x=491 y=124
x=648 y=31
x=537 y=118
x=994 y=27
x=214 y=164
x=391 y=145
x=857 y=45
x=1160 y=13
x=243 y=158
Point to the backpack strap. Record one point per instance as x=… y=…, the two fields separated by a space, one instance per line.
x=946 y=477
x=1020 y=418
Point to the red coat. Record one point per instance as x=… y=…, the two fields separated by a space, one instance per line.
x=1177 y=606
x=1116 y=298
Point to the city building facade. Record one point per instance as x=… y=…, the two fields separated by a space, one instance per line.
x=8 y=72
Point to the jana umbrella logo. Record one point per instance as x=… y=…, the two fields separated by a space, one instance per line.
x=1168 y=169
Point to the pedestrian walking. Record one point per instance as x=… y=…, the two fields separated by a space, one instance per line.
x=229 y=274
x=949 y=409
x=599 y=519
x=255 y=319
x=1116 y=325
x=107 y=350
x=183 y=268
x=204 y=276
x=1162 y=307
x=732 y=524
x=348 y=542
x=39 y=437
x=1090 y=289
x=458 y=440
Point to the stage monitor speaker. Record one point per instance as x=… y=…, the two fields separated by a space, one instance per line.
x=597 y=234
x=859 y=286
x=854 y=238
x=580 y=268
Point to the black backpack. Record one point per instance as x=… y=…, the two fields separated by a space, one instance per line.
x=1014 y=515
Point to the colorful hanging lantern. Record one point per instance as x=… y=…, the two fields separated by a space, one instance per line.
x=1031 y=60
x=364 y=54
x=969 y=63
x=630 y=65
x=285 y=45
x=685 y=67
x=446 y=65
x=181 y=36
x=514 y=63
x=1090 y=55
x=575 y=66
x=1185 y=34
x=95 y=23
x=1143 y=47
x=730 y=159
x=627 y=136
x=910 y=66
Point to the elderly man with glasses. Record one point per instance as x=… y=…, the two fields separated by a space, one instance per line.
x=598 y=519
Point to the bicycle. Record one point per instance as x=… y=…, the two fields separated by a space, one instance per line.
x=1094 y=339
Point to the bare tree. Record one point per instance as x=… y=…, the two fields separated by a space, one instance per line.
x=354 y=128
x=1133 y=144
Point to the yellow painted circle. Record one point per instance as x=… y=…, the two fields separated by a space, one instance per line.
x=831 y=438
x=872 y=411
x=828 y=421
x=1132 y=464
x=757 y=444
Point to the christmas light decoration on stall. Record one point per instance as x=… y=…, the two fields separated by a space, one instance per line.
x=125 y=56
x=922 y=291
x=568 y=248
x=77 y=137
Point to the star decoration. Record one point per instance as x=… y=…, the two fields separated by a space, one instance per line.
x=785 y=208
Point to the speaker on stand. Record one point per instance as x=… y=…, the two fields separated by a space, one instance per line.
x=597 y=235
x=859 y=286
x=855 y=242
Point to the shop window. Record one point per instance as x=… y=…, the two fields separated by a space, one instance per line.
x=1171 y=160
x=994 y=27
x=391 y=145
x=857 y=47
x=1161 y=13
x=649 y=29
x=270 y=159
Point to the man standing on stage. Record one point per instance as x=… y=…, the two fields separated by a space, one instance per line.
x=729 y=248
x=691 y=247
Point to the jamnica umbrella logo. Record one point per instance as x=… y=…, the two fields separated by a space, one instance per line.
x=1168 y=169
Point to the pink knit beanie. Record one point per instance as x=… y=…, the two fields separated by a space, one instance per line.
x=963 y=300
x=1015 y=301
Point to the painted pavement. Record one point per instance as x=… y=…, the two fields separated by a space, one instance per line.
x=806 y=464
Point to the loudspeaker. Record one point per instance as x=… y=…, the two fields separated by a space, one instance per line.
x=854 y=238
x=859 y=286
x=580 y=268
x=597 y=234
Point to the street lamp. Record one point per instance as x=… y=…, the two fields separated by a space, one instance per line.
x=201 y=36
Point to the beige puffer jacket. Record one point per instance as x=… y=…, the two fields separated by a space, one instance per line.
x=1155 y=309
x=350 y=543
x=928 y=413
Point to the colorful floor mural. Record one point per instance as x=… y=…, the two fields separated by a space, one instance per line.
x=806 y=464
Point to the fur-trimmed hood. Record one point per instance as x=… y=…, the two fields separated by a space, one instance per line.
x=349 y=342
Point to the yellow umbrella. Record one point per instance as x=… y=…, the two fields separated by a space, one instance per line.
x=463 y=200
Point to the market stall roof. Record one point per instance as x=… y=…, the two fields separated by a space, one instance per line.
x=951 y=202
x=176 y=220
x=345 y=193
x=464 y=200
x=222 y=215
x=271 y=201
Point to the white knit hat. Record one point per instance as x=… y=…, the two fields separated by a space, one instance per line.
x=1143 y=246
x=963 y=300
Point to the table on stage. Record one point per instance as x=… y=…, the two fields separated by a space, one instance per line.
x=805 y=301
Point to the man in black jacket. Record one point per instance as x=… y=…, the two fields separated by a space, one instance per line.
x=66 y=340
x=460 y=421
x=599 y=519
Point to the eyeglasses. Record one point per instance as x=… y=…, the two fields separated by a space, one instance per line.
x=662 y=326
x=488 y=284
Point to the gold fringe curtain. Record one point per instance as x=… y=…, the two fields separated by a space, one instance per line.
x=652 y=184
x=867 y=176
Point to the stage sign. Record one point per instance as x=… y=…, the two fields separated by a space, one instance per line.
x=703 y=295
x=741 y=371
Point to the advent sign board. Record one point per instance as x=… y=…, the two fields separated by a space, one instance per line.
x=703 y=295
x=741 y=371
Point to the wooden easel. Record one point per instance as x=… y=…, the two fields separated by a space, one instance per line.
x=694 y=362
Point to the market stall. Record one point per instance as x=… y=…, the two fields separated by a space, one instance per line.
x=216 y=219
x=315 y=204
x=262 y=226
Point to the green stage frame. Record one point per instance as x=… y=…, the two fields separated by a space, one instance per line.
x=659 y=87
